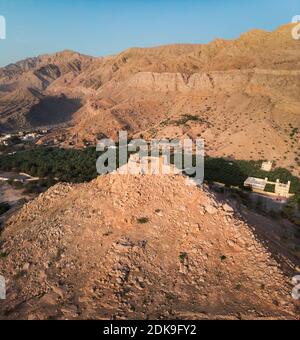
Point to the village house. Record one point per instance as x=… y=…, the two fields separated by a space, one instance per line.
x=267 y=166
x=259 y=185
x=256 y=183
x=282 y=189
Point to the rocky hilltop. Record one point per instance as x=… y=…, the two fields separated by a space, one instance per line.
x=138 y=247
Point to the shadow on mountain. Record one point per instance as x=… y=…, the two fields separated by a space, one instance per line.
x=8 y=87
x=53 y=111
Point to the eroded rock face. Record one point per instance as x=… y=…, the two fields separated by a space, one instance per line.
x=244 y=95
x=250 y=81
x=137 y=247
x=199 y=82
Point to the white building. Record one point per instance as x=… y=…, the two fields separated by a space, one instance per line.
x=267 y=166
x=282 y=189
x=259 y=184
x=256 y=183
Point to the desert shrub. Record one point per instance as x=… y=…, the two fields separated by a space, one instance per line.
x=182 y=257
x=188 y=118
x=143 y=220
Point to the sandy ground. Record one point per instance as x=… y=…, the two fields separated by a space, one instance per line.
x=10 y=194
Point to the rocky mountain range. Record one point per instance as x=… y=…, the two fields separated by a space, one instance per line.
x=241 y=96
x=153 y=247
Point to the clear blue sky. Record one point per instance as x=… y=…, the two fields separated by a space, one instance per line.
x=103 y=27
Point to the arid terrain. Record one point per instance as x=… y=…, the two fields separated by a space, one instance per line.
x=241 y=96
x=141 y=246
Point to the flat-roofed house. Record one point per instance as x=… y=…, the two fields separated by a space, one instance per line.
x=282 y=189
x=256 y=183
x=267 y=166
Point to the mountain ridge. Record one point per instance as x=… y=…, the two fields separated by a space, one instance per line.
x=252 y=82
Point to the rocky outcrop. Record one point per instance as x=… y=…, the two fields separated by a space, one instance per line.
x=140 y=247
x=264 y=82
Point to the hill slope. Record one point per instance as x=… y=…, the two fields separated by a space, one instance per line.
x=137 y=247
